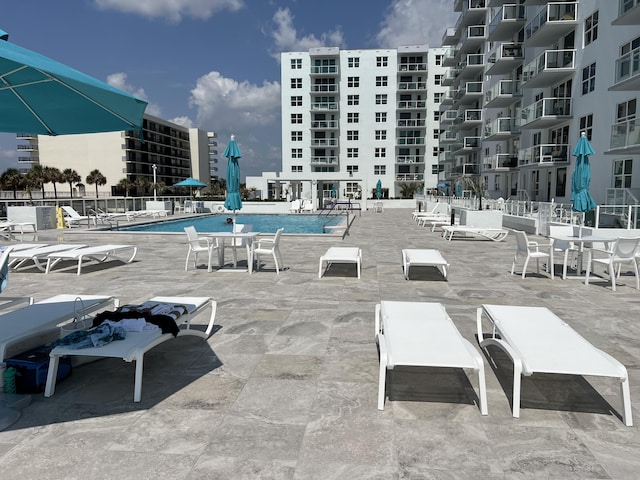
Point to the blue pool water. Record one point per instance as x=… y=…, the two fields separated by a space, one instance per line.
x=310 y=224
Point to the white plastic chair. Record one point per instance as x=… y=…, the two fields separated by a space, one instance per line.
x=528 y=250
x=564 y=246
x=295 y=206
x=622 y=251
x=196 y=246
x=241 y=242
x=269 y=246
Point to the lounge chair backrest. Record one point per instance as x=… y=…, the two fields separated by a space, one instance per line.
x=561 y=230
x=276 y=239
x=522 y=243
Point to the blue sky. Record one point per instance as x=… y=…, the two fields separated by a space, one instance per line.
x=211 y=64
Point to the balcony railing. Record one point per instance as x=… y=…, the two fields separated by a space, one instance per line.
x=411 y=104
x=324 y=142
x=321 y=124
x=501 y=161
x=557 y=19
x=33 y=147
x=410 y=141
x=410 y=177
x=324 y=88
x=506 y=22
x=502 y=94
x=409 y=159
x=472 y=35
x=546 y=153
x=412 y=67
x=26 y=136
x=324 y=70
x=449 y=116
x=470 y=116
x=628 y=67
x=547 y=107
x=501 y=127
x=324 y=160
x=324 y=106
x=411 y=122
x=28 y=159
x=412 y=85
x=465 y=169
x=450 y=57
x=548 y=68
x=626 y=135
x=448 y=136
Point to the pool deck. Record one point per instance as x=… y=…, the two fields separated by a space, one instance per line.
x=286 y=387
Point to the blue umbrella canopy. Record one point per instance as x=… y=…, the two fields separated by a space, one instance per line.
x=581 y=177
x=42 y=96
x=379 y=189
x=190 y=182
x=232 y=152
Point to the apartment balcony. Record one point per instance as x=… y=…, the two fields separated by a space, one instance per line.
x=503 y=94
x=506 y=23
x=33 y=147
x=411 y=105
x=448 y=136
x=472 y=38
x=324 y=88
x=27 y=136
x=528 y=3
x=470 y=93
x=500 y=161
x=31 y=159
x=497 y=3
x=448 y=117
x=446 y=157
x=321 y=161
x=465 y=169
x=500 y=129
x=553 y=22
x=450 y=37
x=213 y=160
x=448 y=98
x=468 y=145
x=545 y=113
x=410 y=141
x=625 y=138
x=409 y=177
x=469 y=119
x=412 y=67
x=324 y=142
x=449 y=77
x=549 y=68
x=324 y=125
x=324 y=106
x=409 y=159
x=213 y=152
x=628 y=13
x=546 y=154
x=627 y=72
x=213 y=169
x=330 y=70
x=450 y=58
x=504 y=59
x=472 y=12
x=412 y=86
x=472 y=66
x=410 y=123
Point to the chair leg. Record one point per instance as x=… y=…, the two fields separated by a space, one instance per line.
x=186 y=263
x=588 y=272
x=564 y=265
x=524 y=267
x=275 y=259
x=612 y=274
x=513 y=266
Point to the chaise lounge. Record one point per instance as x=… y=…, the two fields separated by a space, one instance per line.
x=100 y=253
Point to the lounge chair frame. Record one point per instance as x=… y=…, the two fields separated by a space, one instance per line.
x=423 y=257
x=495 y=234
x=100 y=253
x=340 y=255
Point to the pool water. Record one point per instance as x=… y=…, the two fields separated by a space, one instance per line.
x=263 y=223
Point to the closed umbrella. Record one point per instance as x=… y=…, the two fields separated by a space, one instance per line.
x=582 y=200
x=190 y=182
x=233 y=200
x=41 y=96
x=379 y=189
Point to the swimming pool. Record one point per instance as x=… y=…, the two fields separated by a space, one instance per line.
x=263 y=223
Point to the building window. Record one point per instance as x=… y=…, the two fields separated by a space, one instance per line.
x=296 y=101
x=353 y=62
x=353 y=81
x=352 y=153
x=591 y=29
x=381 y=99
x=296 y=64
x=353 y=99
x=382 y=61
x=296 y=118
x=352 y=168
x=353 y=117
x=439 y=59
x=438 y=79
x=296 y=136
x=436 y=151
x=588 y=79
x=381 y=117
x=586 y=125
x=626 y=111
x=352 y=135
x=296 y=83
x=296 y=168
x=381 y=134
x=437 y=97
x=622 y=173
x=379 y=169
x=296 y=153
x=436 y=133
x=436 y=168
x=380 y=152
x=381 y=81
x=436 y=115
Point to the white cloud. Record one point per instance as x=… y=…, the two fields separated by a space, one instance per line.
x=183 y=121
x=119 y=80
x=416 y=22
x=286 y=37
x=250 y=111
x=172 y=10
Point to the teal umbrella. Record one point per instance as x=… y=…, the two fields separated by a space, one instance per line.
x=233 y=201
x=41 y=96
x=379 y=189
x=190 y=182
x=581 y=177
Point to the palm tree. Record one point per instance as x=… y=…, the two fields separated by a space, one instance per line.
x=408 y=190
x=53 y=175
x=70 y=176
x=142 y=184
x=475 y=184
x=97 y=178
x=34 y=179
x=12 y=179
x=126 y=185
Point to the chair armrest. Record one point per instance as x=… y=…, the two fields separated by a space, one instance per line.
x=266 y=240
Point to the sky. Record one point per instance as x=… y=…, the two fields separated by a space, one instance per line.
x=211 y=64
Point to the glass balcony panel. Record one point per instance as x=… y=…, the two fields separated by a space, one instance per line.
x=324 y=160
x=628 y=71
x=625 y=136
x=506 y=22
x=410 y=122
x=553 y=22
x=548 y=68
x=410 y=177
x=407 y=159
x=544 y=154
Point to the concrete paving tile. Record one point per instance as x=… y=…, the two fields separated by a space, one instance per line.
x=241 y=468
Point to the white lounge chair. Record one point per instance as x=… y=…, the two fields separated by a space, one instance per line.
x=421 y=334
x=99 y=253
x=528 y=250
x=72 y=217
x=8 y=302
x=307 y=206
x=537 y=341
x=423 y=257
x=341 y=255
x=295 y=206
x=269 y=246
x=136 y=344
x=623 y=251
x=39 y=255
x=46 y=315
x=490 y=233
x=199 y=244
